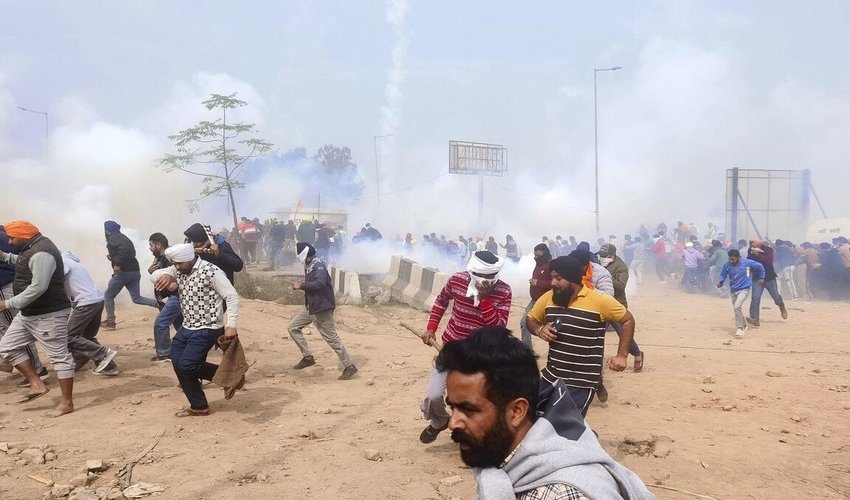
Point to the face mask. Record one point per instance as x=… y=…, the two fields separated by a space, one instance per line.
x=302 y=257
x=604 y=261
x=478 y=280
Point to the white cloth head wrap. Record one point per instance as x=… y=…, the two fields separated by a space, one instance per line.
x=478 y=266
x=302 y=257
x=182 y=252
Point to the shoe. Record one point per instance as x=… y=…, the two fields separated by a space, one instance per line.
x=783 y=312
x=639 y=362
x=106 y=360
x=753 y=321
x=739 y=333
x=161 y=359
x=43 y=375
x=602 y=393
x=5 y=367
x=430 y=433
x=305 y=362
x=110 y=371
x=108 y=324
x=349 y=372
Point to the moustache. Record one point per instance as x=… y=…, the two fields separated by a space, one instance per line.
x=461 y=438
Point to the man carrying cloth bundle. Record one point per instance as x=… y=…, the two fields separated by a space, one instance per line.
x=480 y=299
x=203 y=289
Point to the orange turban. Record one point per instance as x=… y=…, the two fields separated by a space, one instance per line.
x=20 y=229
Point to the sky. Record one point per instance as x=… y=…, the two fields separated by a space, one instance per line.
x=704 y=86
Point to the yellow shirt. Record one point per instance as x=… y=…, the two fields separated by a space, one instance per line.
x=576 y=354
x=587 y=300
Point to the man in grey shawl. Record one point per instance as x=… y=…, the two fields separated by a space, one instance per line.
x=524 y=440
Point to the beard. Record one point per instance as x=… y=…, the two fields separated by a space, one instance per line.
x=491 y=451
x=562 y=298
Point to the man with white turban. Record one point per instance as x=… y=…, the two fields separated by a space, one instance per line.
x=480 y=299
x=203 y=290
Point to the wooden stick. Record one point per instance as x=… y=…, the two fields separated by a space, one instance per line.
x=434 y=343
x=42 y=480
x=698 y=495
x=125 y=474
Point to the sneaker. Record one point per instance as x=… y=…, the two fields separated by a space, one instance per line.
x=753 y=321
x=349 y=372
x=5 y=367
x=161 y=359
x=305 y=362
x=105 y=360
x=430 y=433
x=739 y=333
x=108 y=324
x=602 y=393
x=43 y=375
x=110 y=371
x=783 y=312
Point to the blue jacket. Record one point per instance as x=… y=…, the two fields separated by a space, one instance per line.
x=739 y=276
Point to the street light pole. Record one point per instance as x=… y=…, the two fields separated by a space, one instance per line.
x=46 y=123
x=596 y=141
x=378 y=172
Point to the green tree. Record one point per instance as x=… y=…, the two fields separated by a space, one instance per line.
x=217 y=151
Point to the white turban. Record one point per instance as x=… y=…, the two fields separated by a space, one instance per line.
x=182 y=252
x=478 y=266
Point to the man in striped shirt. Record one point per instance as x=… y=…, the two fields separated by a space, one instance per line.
x=480 y=299
x=572 y=318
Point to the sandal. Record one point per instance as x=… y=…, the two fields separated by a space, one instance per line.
x=33 y=395
x=190 y=412
x=639 y=362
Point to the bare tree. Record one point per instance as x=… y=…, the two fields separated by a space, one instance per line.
x=217 y=151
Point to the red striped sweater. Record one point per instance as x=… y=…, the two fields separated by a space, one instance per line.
x=466 y=317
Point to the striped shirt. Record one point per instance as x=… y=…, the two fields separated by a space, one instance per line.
x=576 y=354
x=466 y=317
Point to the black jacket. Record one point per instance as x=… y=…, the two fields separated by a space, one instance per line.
x=318 y=288
x=122 y=253
x=227 y=260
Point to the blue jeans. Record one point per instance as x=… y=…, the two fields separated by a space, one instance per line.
x=523 y=325
x=170 y=314
x=634 y=350
x=129 y=280
x=582 y=397
x=758 y=290
x=189 y=351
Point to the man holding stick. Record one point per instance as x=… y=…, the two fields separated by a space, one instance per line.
x=480 y=299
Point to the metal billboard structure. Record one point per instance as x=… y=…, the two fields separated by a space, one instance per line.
x=768 y=203
x=478 y=158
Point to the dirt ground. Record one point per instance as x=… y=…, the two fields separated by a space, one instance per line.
x=763 y=417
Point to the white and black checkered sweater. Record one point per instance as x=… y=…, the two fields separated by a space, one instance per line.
x=200 y=303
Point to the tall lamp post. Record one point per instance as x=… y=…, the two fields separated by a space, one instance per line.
x=46 y=122
x=596 y=141
x=378 y=172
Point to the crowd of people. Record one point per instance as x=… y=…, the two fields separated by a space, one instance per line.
x=537 y=445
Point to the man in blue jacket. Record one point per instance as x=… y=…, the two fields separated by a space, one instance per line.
x=739 y=271
x=320 y=304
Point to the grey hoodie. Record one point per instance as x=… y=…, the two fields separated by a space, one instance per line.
x=560 y=449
